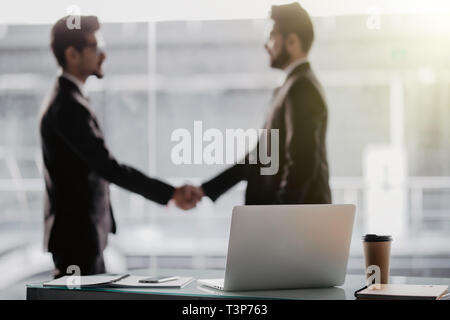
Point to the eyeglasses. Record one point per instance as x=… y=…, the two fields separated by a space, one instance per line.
x=98 y=49
x=273 y=34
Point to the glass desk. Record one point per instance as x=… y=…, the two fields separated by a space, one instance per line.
x=194 y=291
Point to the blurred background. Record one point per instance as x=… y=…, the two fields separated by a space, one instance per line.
x=385 y=68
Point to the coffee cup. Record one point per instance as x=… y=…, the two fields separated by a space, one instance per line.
x=377 y=251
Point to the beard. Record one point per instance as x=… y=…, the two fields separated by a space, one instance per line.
x=98 y=74
x=281 y=60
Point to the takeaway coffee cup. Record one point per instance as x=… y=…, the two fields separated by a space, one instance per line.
x=377 y=251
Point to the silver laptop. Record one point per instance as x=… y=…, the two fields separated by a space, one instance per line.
x=287 y=247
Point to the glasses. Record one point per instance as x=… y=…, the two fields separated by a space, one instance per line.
x=270 y=42
x=94 y=46
x=273 y=34
x=98 y=49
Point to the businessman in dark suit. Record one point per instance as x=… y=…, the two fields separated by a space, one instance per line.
x=78 y=166
x=299 y=112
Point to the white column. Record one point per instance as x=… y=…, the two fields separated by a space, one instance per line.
x=396 y=103
x=151 y=123
x=386 y=172
x=152 y=134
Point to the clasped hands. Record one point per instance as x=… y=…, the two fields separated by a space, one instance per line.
x=187 y=196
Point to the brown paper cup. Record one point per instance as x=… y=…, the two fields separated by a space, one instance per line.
x=377 y=252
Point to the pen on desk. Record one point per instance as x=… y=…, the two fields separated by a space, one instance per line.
x=122 y=277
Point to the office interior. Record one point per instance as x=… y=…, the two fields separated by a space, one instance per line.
x=385 y=69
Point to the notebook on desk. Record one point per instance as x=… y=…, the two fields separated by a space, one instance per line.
x=85 y=281
x=401 y=292
x=114 y=281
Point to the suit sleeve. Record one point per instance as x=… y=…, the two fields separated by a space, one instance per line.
x=77 y=128
x=218 y=185
x=304 y=120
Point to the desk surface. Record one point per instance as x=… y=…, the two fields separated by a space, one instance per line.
x=195 y=291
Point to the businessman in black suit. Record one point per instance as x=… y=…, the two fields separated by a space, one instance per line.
x=299 y=112
x=78 y=166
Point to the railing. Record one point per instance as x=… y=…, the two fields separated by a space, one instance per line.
x=344 y=189
x=198 y=246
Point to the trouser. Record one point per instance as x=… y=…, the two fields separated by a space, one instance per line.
x=88 y=265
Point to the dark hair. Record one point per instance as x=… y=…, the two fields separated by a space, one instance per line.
x=293 y=18
x=64 y=36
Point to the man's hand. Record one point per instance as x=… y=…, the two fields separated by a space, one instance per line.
x=187 y=196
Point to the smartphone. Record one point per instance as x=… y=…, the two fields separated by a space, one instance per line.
x=158 y=279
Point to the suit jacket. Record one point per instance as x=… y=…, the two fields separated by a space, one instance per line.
x=300 y=113
x=77 y=170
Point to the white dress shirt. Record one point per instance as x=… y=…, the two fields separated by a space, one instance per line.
x=294 y=65
x=75 y=81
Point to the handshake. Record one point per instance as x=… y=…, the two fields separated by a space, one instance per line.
x=187 y=196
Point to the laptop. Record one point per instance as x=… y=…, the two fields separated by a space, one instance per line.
x=287 y=247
